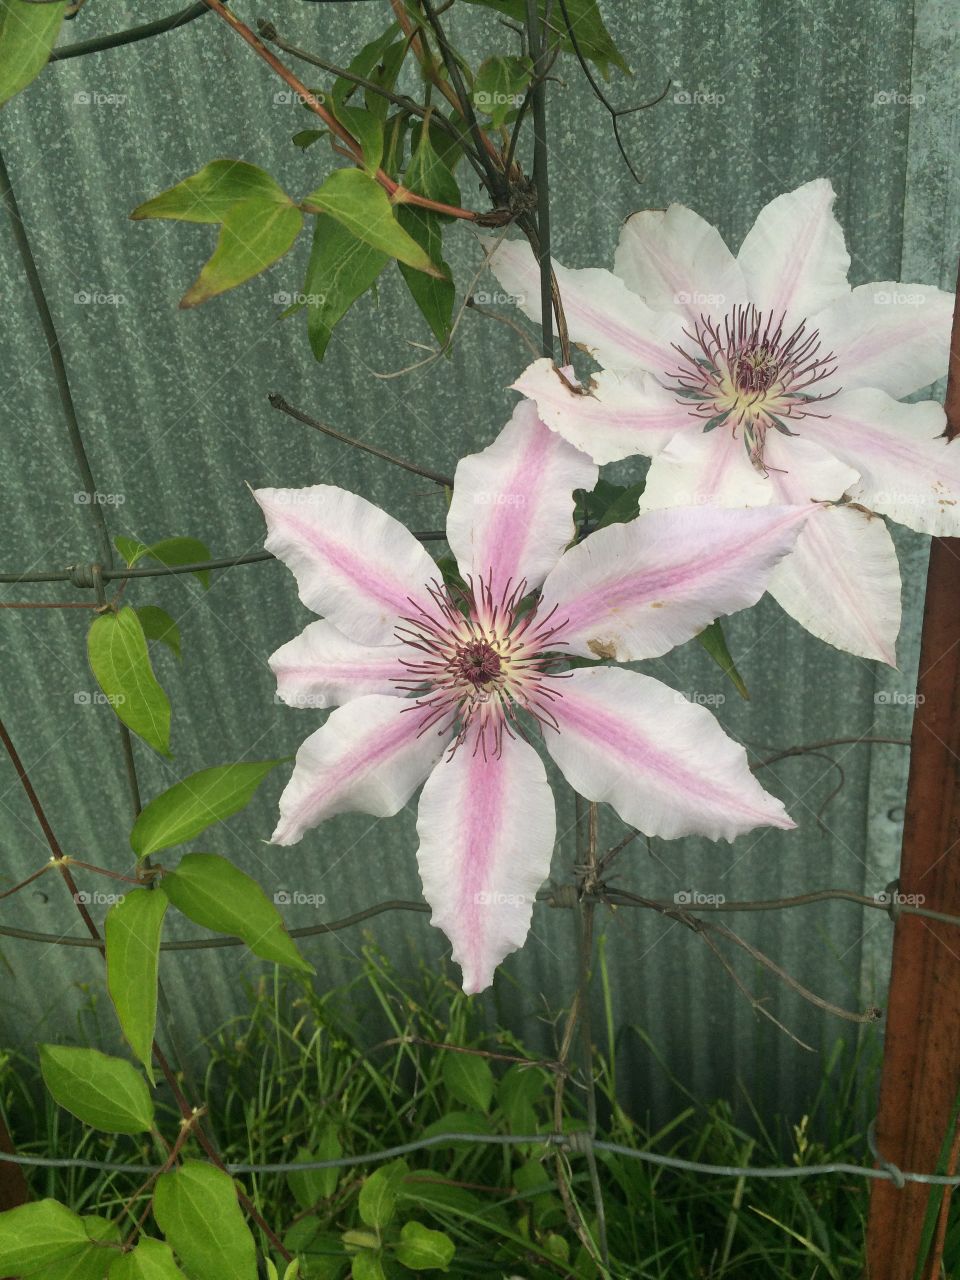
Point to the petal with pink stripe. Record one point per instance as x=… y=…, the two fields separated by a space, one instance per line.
x=794 y=257
x=676 y=261
x=617 y=416
x=322 y=667
x=636 y=590
x=368 y=757
x=601 y=312
x=512 y=510
x=908 y=470
x=487 y=828
x=353 y=563
x=663 y=763
x=888 y=335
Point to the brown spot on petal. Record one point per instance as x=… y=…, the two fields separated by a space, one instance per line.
x=602 y=648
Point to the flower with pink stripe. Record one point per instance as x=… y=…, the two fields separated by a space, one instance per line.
x=449 y=685
x=764 y=378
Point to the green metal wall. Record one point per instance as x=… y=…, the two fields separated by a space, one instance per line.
x=174 y=412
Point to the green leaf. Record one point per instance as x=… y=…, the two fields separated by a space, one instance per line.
x=89 y=1262
x=307 y=137
x=33 y=1235
x=158 y=625
x=366 y=1265
x=117 y=649
x=104 y=1092
x=378 y=1195
x=27 y=35
x=593 y=39
x=458 y=1122
x=213 y=892
x=132 y=929
x=608 y=503
x=341 y=269
x=322 y=1249
x=367 y=127
x=469 y=1079
x=714 y=641
x=209 y=195
x=168 y=551
x=421 y=1249
x=196 y=1209
x=362 y=205
x=500 y=87
x=318 y=1184
x=189 y=807
x=253 y=235
x=518 y=1091
x=150 y=1260
x=427 y=175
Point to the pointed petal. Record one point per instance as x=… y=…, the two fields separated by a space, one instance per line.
x=512 y=510
x=321 y=667
x=842 y=582
x=909 y=470
x=602 y=314
x=366 y=758
x=353 y=563
x=888 y=335
x=676 y=261
x=636 y=590
x=704 y=468
x=622 y=414
x=487 y=830
x=794 y=258
x=663 y=763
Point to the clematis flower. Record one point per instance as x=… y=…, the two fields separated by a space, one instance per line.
x=764 y=378
x=447 y=686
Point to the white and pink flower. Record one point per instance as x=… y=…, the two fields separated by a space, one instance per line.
x=764 y=378
x=446 y=686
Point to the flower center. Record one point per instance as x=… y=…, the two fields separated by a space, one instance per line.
x=479 y=661
x=746 y=373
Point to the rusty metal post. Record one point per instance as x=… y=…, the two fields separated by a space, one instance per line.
x=921 y=1063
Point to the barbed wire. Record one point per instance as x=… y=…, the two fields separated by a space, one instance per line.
x=576 y=1142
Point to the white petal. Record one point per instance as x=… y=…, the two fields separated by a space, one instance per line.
x=322 y=667
x=801 y=471
x=353 y=563
x=704 y=468
x=512 y=509
x=888 y=335
x=794 y=258
x=663 y=763
x=601 y=312
x=368 y=757
x=909 y=470
x=676 y=261
x=636 y=590
x=487 y=828
x=620 y=416
x=842 y=582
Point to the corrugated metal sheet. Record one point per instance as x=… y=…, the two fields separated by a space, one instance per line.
x=173 y=408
